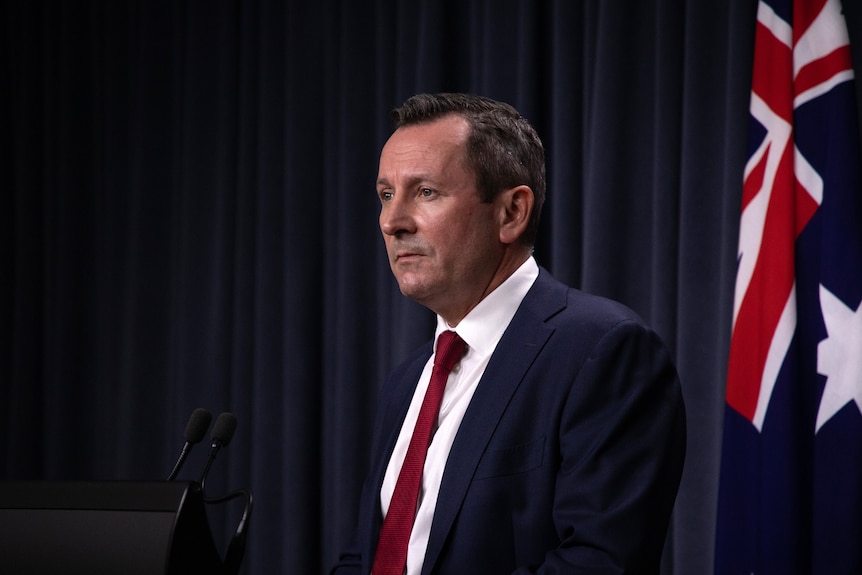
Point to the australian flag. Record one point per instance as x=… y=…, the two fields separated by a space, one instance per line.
x=790 y=492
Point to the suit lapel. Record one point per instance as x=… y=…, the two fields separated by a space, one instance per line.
x=521 y=343
x=396 y=408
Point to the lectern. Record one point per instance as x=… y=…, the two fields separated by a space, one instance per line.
x=115 y=527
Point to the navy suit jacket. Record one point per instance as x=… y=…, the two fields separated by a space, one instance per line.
x=568 y=458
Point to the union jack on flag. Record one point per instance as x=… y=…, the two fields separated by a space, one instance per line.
x=790 y=493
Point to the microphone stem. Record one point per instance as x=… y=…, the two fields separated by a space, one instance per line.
x=182 y=458
x=215 y=449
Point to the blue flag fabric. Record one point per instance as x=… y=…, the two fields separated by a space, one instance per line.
x=790 y=492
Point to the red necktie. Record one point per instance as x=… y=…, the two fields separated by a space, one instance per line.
x=391 y=554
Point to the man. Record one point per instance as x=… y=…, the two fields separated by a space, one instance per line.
x=559 y=443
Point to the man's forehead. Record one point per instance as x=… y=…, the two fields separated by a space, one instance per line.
x=449 y=129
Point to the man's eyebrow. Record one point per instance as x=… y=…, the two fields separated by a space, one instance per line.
x=413 y=179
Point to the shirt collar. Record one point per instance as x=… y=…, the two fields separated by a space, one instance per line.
x=483 y=327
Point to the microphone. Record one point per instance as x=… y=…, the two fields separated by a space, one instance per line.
x=196 y=428
x=222 y=433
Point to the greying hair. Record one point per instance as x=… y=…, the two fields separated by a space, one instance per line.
x=503 y=149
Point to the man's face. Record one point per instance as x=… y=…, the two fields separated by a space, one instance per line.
x=442 y=241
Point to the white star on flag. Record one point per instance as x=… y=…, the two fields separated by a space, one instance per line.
x=839 y=357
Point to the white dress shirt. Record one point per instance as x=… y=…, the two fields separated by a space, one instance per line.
x=481 y=329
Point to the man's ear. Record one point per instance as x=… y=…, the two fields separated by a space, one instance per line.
x=514 y=207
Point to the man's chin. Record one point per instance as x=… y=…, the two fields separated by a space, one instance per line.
x=411 y=287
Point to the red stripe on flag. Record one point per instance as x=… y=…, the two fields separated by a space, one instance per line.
x=773 y=62
x=804 y=13
x=765 y=299
x=822 y=69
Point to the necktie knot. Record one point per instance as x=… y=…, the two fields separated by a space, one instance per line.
x=450 y=350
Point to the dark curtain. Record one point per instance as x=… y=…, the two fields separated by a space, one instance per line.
x=189 y=219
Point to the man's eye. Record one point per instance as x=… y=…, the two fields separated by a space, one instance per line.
x=426 y=192
x=385 y=195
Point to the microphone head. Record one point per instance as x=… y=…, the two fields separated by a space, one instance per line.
x=199 y=422
x=224 y=428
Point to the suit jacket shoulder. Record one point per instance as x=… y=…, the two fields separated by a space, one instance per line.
x=572 y=445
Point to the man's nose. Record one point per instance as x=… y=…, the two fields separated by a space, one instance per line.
x=396 y=217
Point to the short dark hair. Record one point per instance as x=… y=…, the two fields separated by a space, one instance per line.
x=503 y=149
